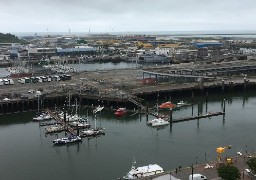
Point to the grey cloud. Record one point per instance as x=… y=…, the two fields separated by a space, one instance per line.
x=127 y=14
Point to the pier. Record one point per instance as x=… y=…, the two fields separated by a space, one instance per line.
x=127 y=87
x=208 y=115
x=66 y=126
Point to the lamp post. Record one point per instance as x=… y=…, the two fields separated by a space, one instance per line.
x=192 y=171
x=196 y=159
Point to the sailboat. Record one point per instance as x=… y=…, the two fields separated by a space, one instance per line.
x=94 y=131
x=67 y=140
x=79 y=121
x=157 y=121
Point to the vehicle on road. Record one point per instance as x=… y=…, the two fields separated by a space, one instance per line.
x=197 y=177
x=207 y=166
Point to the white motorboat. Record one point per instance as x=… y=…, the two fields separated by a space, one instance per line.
x=67 y=140
x=143 y=171
x=83 y=124
x=150 y=122
x=159 y=122
x=181 y=103
x=93 y=132
x=42 y=117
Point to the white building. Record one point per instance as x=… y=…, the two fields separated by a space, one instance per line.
x=247 y=50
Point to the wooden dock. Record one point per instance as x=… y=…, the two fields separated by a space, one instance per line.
x=207 y=115
x=210 y=114
x=67 y=127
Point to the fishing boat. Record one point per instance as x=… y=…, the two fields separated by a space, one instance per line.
x=67 y=140
x=144 y=171
x=167 y=105
x=120 y=112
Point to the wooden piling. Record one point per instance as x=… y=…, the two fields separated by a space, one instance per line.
x=170 y=115
x=244 y=83
x=147 y=112
x=198 y=113
x=77 y=130
x=192 y=97
x=223 y=85
x=224 y=105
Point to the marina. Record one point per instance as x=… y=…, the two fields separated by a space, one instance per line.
x=131 y=134
x=127 y=90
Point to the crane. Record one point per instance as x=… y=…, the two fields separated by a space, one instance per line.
x=221 y=150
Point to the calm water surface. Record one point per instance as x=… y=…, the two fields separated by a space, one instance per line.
x=26 y=153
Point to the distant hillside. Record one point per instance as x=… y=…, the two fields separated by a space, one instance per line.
x=9 y=38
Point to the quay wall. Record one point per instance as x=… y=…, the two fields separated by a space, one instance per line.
x=58 y=100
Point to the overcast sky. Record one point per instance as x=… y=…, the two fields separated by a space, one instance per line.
x=126 y=15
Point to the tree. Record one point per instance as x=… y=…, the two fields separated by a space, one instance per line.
x=252 y=164
x=228 y=172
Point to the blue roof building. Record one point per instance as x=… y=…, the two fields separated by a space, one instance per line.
x=204 y=44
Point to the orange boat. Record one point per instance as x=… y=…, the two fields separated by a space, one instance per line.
x=167 y=105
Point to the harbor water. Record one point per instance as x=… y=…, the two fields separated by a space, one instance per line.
x=27 y=153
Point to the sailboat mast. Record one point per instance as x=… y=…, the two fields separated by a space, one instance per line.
x=95 y=121
x=76 y=105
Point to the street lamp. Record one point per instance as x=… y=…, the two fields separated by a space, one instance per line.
x=192 y=171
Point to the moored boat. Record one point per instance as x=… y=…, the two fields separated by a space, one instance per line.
x=98 y=109
x=42 y=117
x=167 y=105
x=157 y=122
x=54 y=129
x=143 y=171
x=93 y=132
x=120 y=112
x=79 y=124
x=67 y=140
x=181 y=103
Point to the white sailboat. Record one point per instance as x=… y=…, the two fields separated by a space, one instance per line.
x=94 y=131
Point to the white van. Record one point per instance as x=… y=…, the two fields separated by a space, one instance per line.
x=197 y=177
